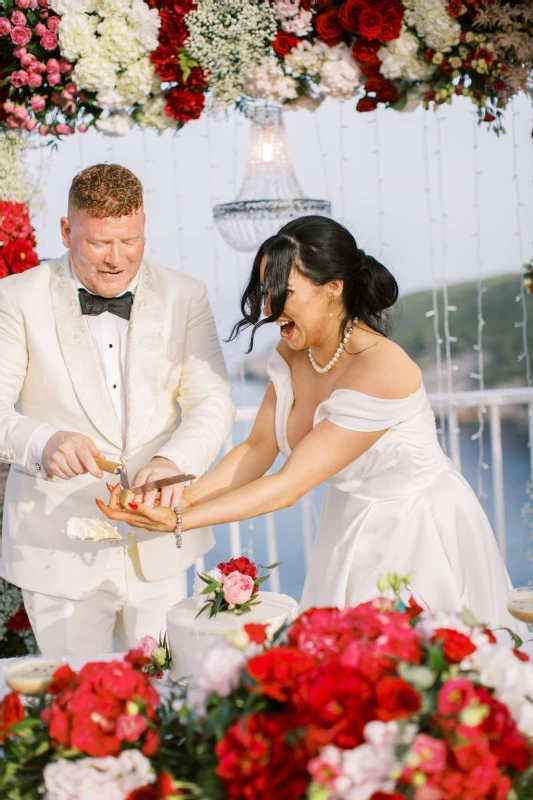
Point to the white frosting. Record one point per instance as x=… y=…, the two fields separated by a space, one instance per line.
x=94 y=529
x=187 y=636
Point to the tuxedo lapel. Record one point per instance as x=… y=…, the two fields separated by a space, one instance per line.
x=81 y=354
x=145 y=354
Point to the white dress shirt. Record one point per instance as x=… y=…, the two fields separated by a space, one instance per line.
x=110 y=334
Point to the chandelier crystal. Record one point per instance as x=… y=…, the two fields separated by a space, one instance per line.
x=270 y=194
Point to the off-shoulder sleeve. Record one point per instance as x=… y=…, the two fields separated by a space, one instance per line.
x=279 y=373
x=361 y=412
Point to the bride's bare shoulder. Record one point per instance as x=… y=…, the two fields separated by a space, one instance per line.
x=285 y=351
x=384 y=371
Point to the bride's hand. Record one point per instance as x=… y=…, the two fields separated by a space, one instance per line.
x=159 y=518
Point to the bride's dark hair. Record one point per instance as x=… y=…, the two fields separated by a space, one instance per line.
x=323 y=250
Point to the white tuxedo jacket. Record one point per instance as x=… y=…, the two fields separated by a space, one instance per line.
x=50 y=371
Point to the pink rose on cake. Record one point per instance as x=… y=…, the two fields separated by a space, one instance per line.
x=237 y=588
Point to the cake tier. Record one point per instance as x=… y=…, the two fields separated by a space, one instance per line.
x=188 y=635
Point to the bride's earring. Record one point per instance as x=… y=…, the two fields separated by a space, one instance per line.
x=331 y=305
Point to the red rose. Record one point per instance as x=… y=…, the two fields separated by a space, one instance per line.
x=161 y=790
x=173 y=31
x=370 y=68
x=396 y=699
x=196 y=78
x=365 y=51
x=393 y=14
x=257 y=633
x=20 y=255
x=277 y=670
x=137 y=659
x=241 y=564
x=429 y=54
x=19 y=621
x=455 y=8
x=284 y=43
x=387 y=93
x=324 y=3
x=375 y=84
x=4 y=272
x=184 y=105
x=255 y=760
x=455 y=645
x=370 y=23
x=349 y=14
x=15 y=220
x=151 y=744
x=11 y=711
x=329 y=28
x=165 y=61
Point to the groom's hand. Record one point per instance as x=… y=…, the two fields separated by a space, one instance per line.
x=67 y=454
x=156 y=469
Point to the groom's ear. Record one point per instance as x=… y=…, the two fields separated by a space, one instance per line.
x=66 y=229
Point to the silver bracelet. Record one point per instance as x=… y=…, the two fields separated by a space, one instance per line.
x=178 y=529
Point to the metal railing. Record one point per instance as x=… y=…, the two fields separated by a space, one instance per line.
x=447 y=406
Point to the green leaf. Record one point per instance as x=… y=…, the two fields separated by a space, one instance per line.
x=186 y=62
x=436 y=659
x=262 y=579
x=468 y=617
x=420 y=677
x=270 y=566
x=203 y=608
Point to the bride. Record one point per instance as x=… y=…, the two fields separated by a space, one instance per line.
x=345 y=406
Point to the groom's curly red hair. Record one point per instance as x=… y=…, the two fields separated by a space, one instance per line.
x=106 y=190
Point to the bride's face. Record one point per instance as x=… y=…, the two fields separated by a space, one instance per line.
x=305 y=319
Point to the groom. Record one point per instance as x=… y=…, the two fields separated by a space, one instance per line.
x=103 y=353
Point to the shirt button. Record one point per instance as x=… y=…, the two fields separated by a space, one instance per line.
x=114 y=386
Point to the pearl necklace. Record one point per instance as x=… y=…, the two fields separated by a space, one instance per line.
x=338 y=351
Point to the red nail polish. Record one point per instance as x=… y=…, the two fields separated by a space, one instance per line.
x=109 y=487
x=133 y=505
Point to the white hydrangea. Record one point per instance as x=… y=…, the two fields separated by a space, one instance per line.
x=135 y=83
x=218 y=670
x=146 y=23
x=400 y=59
x=306 y=58
x=119 y=42
x=95 y=72
x=76 y=33
x=115 y=125
x=152 y=115
x=268 y=81
x=227 y=37
x=111 y=8
x=340 y=75
x=110 y=778
x=73 y=6
x=433 y=24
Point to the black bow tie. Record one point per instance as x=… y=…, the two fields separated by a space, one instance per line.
x=95 y=305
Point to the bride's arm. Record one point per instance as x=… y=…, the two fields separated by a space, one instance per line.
x=320 y=455
x=244 y=463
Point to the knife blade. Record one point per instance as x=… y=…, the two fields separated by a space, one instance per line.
x=151 y=485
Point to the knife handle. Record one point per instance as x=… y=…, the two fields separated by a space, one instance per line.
x=114 y=467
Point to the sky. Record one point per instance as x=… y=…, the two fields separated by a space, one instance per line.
x=435 y=197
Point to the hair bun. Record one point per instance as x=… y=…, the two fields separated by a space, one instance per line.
x=377 y=284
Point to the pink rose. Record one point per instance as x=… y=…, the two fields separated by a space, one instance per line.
x=53 y=78
x=20 y=34
x=37 y=66
x=18 y=18
x=40 y=29
x=52 y=65
x=34 y=80
x=34 y=4
x=147 y=644
x=83 y=128
x=38 y=102
x=9 y=106
x=43 y=129
x=12 y=122
x=49 y=41
x=130 y=727
x=30 y=124
x=20 y=113
x=5 y=26
x=22 y=3
x=237 y=588
x=64 y=65
x=27 y=59
x=43 y=3
x=19 y=78
x=64 y=130
x=20 y=51
x=53 y=24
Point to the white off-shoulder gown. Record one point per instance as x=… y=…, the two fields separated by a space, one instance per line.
x=400 y=507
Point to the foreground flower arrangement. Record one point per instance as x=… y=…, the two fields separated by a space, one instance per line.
x=376 y=702
x=16 y=635
x=114 y=63
x=17 y=240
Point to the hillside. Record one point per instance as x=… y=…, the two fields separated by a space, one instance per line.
x=502 y=341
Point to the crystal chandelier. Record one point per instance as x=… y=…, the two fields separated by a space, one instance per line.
x=270 y=194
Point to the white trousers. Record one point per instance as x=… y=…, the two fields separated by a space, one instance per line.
x=125 y=608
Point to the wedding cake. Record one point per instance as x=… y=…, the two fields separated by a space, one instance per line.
x=228 y=598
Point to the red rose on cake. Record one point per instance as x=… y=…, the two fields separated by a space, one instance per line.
x=241 y=564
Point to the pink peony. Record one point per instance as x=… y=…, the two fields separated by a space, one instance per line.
x=19 y=78
x=237 y=588
x=20 y=113
x=20 y=34
x=40 y=29
x=53 y=78
x=18 y=18
x=5 y=26
x=147 y=644
x=49 y=41
x=35 y=80
x=30 y=124
x=37 y=102
x=22 y=3
x=53 y=24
